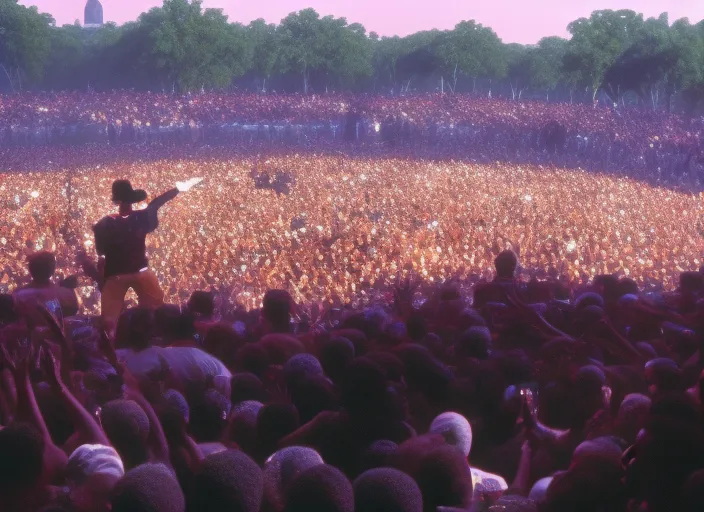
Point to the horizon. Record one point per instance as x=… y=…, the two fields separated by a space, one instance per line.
x=527 y=23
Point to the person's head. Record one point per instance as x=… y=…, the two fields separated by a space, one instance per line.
x=276 y=311
x=223 y=341
x=209 y=414
x=335 y=355
x=693 y=492
x=166 y=320
x=127 y=427
x=589 y=299
x=22 y=461
x=313 y=396
x=475 y=343
x=664 y=456
x=607 y=286
x=201 y=304
x=595 y=485
x=124 y=196
x=321 y=488
x=506 y=263
x=246 y=386
x=253 y=358
x=364 y=390
x=92 y=472
x=663 y=376
x=174 y=414
x=243 y=425
x=281 y=347
x=274 y=422
x=587 y=394
x=444 y=479
x=148 y=488
x=691 y=283
x=540 y=489
x=300 y=367
x=596 y=449
x=632 y=416
x=417 y=328
x=455 y=429
x=228 y=481
x=379 y=454
x=281 y=469
x=42 y=266
x=387 y=490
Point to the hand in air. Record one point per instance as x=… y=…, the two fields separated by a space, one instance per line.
x=185 y=186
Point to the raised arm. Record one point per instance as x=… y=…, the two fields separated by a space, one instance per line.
x=88 y=430
x=164 y=198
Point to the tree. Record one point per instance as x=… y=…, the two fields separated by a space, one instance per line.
x=475 y=51
x=24 y=42
x=301 y=45
x=420 y=57
x=597 y=42
x=387 y=52
x=66 y=62
x=327 y=48
x=197 y=48
x=645 y=65
x=265 y=49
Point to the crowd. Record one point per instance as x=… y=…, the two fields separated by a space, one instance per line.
x=606 y=138
x=527 y=399
x=346 y=225
x=351 y=329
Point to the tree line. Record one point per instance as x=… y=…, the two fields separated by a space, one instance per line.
x=182 y=47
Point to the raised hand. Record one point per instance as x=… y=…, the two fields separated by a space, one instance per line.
x=185 y=186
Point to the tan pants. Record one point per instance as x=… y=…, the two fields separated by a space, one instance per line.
x=112 y=298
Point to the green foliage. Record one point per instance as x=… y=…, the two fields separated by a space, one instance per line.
x=24 y=41
x=182 y=46
x=597 y=42
x=476 y=51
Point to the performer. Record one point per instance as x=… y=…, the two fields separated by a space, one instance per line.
x=120 y=241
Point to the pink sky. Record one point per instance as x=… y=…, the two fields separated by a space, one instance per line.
x=519 y=21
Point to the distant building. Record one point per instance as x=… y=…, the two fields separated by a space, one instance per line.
x=93 y=14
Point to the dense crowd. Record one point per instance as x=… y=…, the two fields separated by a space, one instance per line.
x=529 y=398
x=351 y=328
x=347 y=225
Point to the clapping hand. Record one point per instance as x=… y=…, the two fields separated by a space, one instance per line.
x=185 y=186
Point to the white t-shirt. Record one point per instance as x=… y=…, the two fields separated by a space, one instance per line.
x=190 y=364
x=142 y=363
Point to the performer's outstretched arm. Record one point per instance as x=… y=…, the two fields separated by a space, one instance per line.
x=164 y=198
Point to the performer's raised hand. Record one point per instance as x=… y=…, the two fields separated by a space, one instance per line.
x=185 y=186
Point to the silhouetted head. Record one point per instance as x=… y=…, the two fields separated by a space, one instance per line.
x=276 y=311
x=282 y=468
x=42 y=266
x=506 y=263
x=228 y=481
x=321 y=488
x=455 y=429
x=209 y=414
x=387 y=490
x=201 y=304
x=148 y=488
x=127 y=426
x=246 y=386
x=22 y=460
